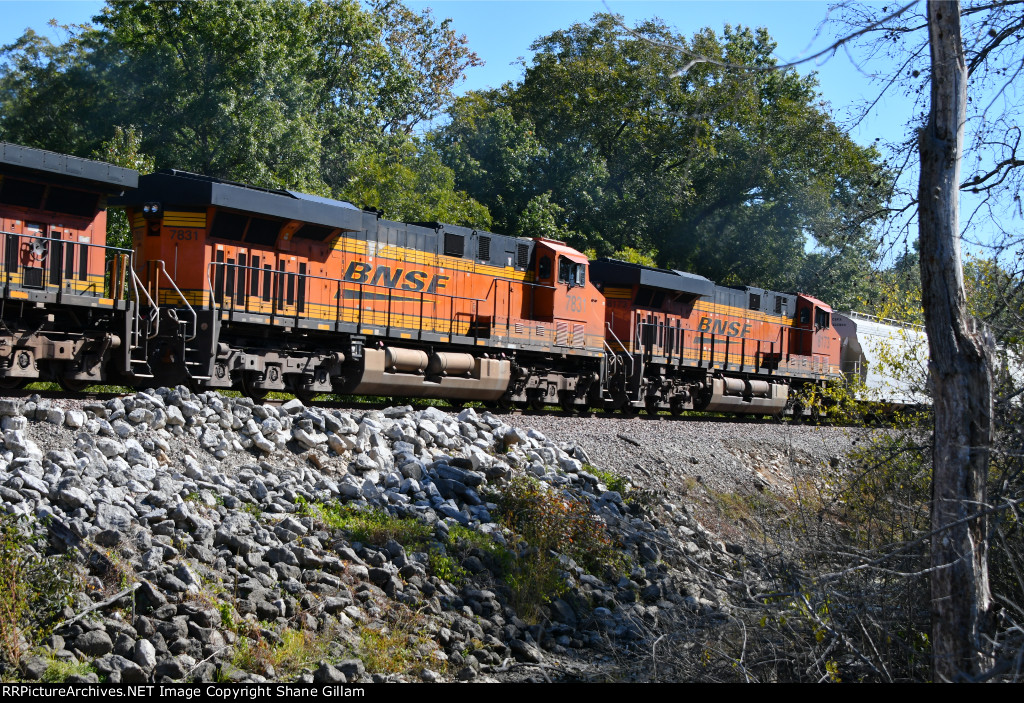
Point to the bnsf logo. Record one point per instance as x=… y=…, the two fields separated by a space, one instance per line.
x=730 y=329
x=359 y=272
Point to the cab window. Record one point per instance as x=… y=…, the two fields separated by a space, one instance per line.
x=571 y=273
x=565 y=270
x=544 y=268
x=821 y=319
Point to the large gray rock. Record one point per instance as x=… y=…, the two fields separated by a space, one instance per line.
x=94 y=643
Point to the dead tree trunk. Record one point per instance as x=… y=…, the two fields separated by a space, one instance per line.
x=960 y=372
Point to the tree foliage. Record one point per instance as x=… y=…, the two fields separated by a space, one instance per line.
x=277 y=94
x=411 y=180
x=617 y=139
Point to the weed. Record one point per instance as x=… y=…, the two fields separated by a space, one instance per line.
x=58 y=671
x=462 y=541
x=614 y=482
x=302 y=507
x=385 y=649
x=33 y=588
x=253 y=509
x=446 y=568
x=373 y=526
x=120 y=574
x=299 y=649
x=399 y=647
x=291 y=652
x=252 y=653
x=227 y=615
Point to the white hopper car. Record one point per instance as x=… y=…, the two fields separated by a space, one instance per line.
x=890 y=359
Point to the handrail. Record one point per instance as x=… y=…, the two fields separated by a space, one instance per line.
x=334 y=280
x=195 y=317
x=213 y=293
x=8 y=268
x=617 y=341
x=119 y=250
x=136 y=287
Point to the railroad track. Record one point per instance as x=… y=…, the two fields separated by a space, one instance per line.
x=552 y=411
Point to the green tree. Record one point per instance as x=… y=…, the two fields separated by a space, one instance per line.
x=277 y=94
x=124 y=150
x=412 y=184
x=727 y=173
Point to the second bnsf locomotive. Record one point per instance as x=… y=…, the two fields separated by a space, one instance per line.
x=232 y=286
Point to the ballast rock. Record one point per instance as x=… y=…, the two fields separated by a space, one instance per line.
x=205 y=508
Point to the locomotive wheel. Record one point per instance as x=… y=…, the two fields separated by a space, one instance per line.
x=72 y=385
x=651 y=405
x=535 y=402
x=628 y=410
x=13 y=383
x=305 y=395
x=567 y=402
x=675 y=406
x=250 y=389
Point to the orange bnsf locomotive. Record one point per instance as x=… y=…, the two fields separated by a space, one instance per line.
x=232 y=286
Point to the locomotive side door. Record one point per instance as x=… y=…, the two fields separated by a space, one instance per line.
x=33 y=255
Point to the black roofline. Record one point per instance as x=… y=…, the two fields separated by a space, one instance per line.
x=86 y=172
x=624 y=273
x=180 y=188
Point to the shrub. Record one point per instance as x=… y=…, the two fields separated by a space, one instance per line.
x=548 y=524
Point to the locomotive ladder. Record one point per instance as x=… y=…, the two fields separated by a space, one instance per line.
x=139 y=368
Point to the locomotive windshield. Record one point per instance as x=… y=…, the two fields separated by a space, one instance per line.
x=571 y=273
x=821 y=319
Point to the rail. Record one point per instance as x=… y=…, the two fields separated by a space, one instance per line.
x=154 y=324
x=55 y=263
x=617 y=341
x=162 y=266
x=281 y=288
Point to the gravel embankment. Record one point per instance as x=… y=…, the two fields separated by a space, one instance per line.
x=686 y=460
x=204 y=501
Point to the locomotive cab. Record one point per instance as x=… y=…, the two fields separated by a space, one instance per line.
x=813 y=336
x=563 y=290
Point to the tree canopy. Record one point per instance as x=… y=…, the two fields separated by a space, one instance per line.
x=616 y=138
x=278 y=94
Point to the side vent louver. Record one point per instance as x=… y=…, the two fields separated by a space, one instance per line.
x=522 y=255
x=484 y=249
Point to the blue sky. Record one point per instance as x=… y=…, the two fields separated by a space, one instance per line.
x=501 y=31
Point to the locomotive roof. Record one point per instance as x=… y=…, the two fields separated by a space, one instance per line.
x=623 y=273
x=85 y=172
x=175 y=188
